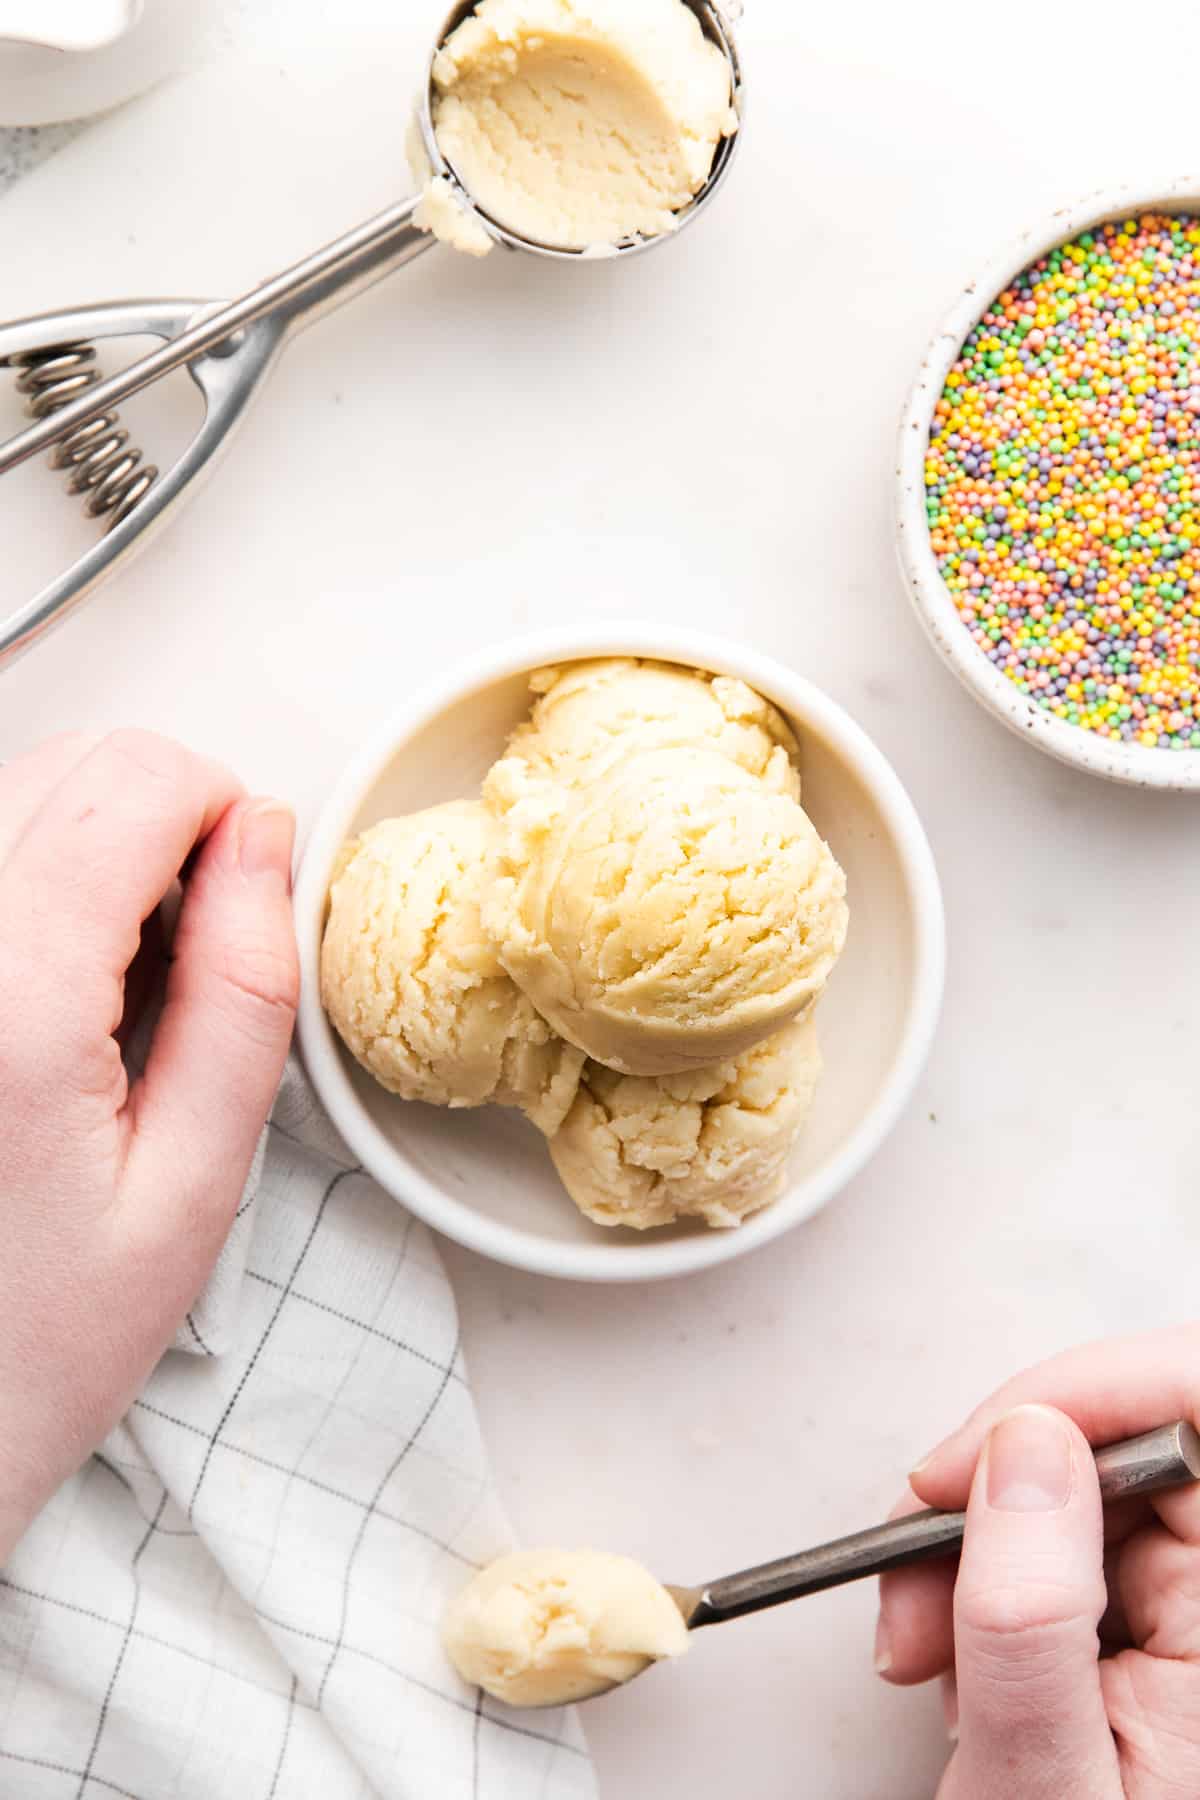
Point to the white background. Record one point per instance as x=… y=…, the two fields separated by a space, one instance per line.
x=704 y=434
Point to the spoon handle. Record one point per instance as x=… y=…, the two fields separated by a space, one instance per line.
x=1166 y=1458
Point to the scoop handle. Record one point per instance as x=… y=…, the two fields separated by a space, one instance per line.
x=1166 y=1458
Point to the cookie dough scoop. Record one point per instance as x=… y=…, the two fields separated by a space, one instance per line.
x=521 y=138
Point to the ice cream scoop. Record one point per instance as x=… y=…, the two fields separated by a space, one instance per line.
x=577 y=124
x=589 y=716
x=414 y=986
x=644 y=1151
x=230 y=347
x=502 y=1631
x=668 y=916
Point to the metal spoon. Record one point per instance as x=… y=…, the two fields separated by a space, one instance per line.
x=228 y=348
x=1166 y=1458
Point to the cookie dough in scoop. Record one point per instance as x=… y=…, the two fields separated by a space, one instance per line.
x=577 y=124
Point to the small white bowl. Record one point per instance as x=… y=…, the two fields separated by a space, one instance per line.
x=484 y=1178
x=70 y=59
x=1131 y=763
x=67 y=25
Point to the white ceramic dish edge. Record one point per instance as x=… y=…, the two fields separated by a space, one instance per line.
x=1137 y=765
x=54 y=68
x=647 y=1260
x=69 y=26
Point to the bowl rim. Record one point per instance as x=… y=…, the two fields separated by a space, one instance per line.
x=1134 y=764
x=648 y=1260
x=74 y=31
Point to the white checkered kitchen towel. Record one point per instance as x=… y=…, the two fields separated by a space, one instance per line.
x=239 y=1597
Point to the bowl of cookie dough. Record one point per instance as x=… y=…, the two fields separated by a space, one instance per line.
x=621 y=952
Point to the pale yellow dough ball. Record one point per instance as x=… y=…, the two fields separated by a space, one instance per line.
x=713 y=1145
x=576 y=123
x=413 y=983
x=589 y=716
x=548 y=1627
x=669 y=915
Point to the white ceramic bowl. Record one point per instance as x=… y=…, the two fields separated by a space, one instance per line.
x=484 y=1177
x=67 y=25
x=1132 y=763
x=69 y=59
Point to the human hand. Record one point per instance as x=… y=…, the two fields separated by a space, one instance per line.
x=115 y=1198
x=1071 y=1655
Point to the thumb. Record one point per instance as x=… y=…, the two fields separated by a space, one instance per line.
x=1027 y=1603
x=220 y=1044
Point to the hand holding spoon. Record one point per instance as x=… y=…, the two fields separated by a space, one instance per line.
x=547 y=1628
x=1166 y=1458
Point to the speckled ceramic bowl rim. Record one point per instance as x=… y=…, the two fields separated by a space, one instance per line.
x=648 y=1260
x=1131 y=763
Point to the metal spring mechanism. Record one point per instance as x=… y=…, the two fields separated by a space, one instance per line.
x=98 y=456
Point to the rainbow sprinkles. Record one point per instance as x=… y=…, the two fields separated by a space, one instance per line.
x=1062 y=482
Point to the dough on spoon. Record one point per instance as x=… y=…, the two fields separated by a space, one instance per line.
x=548 y=1627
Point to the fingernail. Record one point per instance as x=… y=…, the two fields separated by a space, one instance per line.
x=266 y=834
x=927 y=1461
x=883 y=1647
x=1030 y=1465
x=950 y=1709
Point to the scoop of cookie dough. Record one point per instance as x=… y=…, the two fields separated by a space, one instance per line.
x=576 y=123
x=547 y=1627
x=711 y=1145
x=589 y=716
x=668 y=915
x=413 y=984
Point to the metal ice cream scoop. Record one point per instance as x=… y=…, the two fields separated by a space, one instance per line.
x=1166 y=1458
x=228 y=348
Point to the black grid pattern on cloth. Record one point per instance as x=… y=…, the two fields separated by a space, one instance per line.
x=248 y=1371
x=211 y=1597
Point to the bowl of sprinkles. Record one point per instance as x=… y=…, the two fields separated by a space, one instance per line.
x=1049 y=506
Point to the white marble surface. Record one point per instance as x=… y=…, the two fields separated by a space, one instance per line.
x=706 y=434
